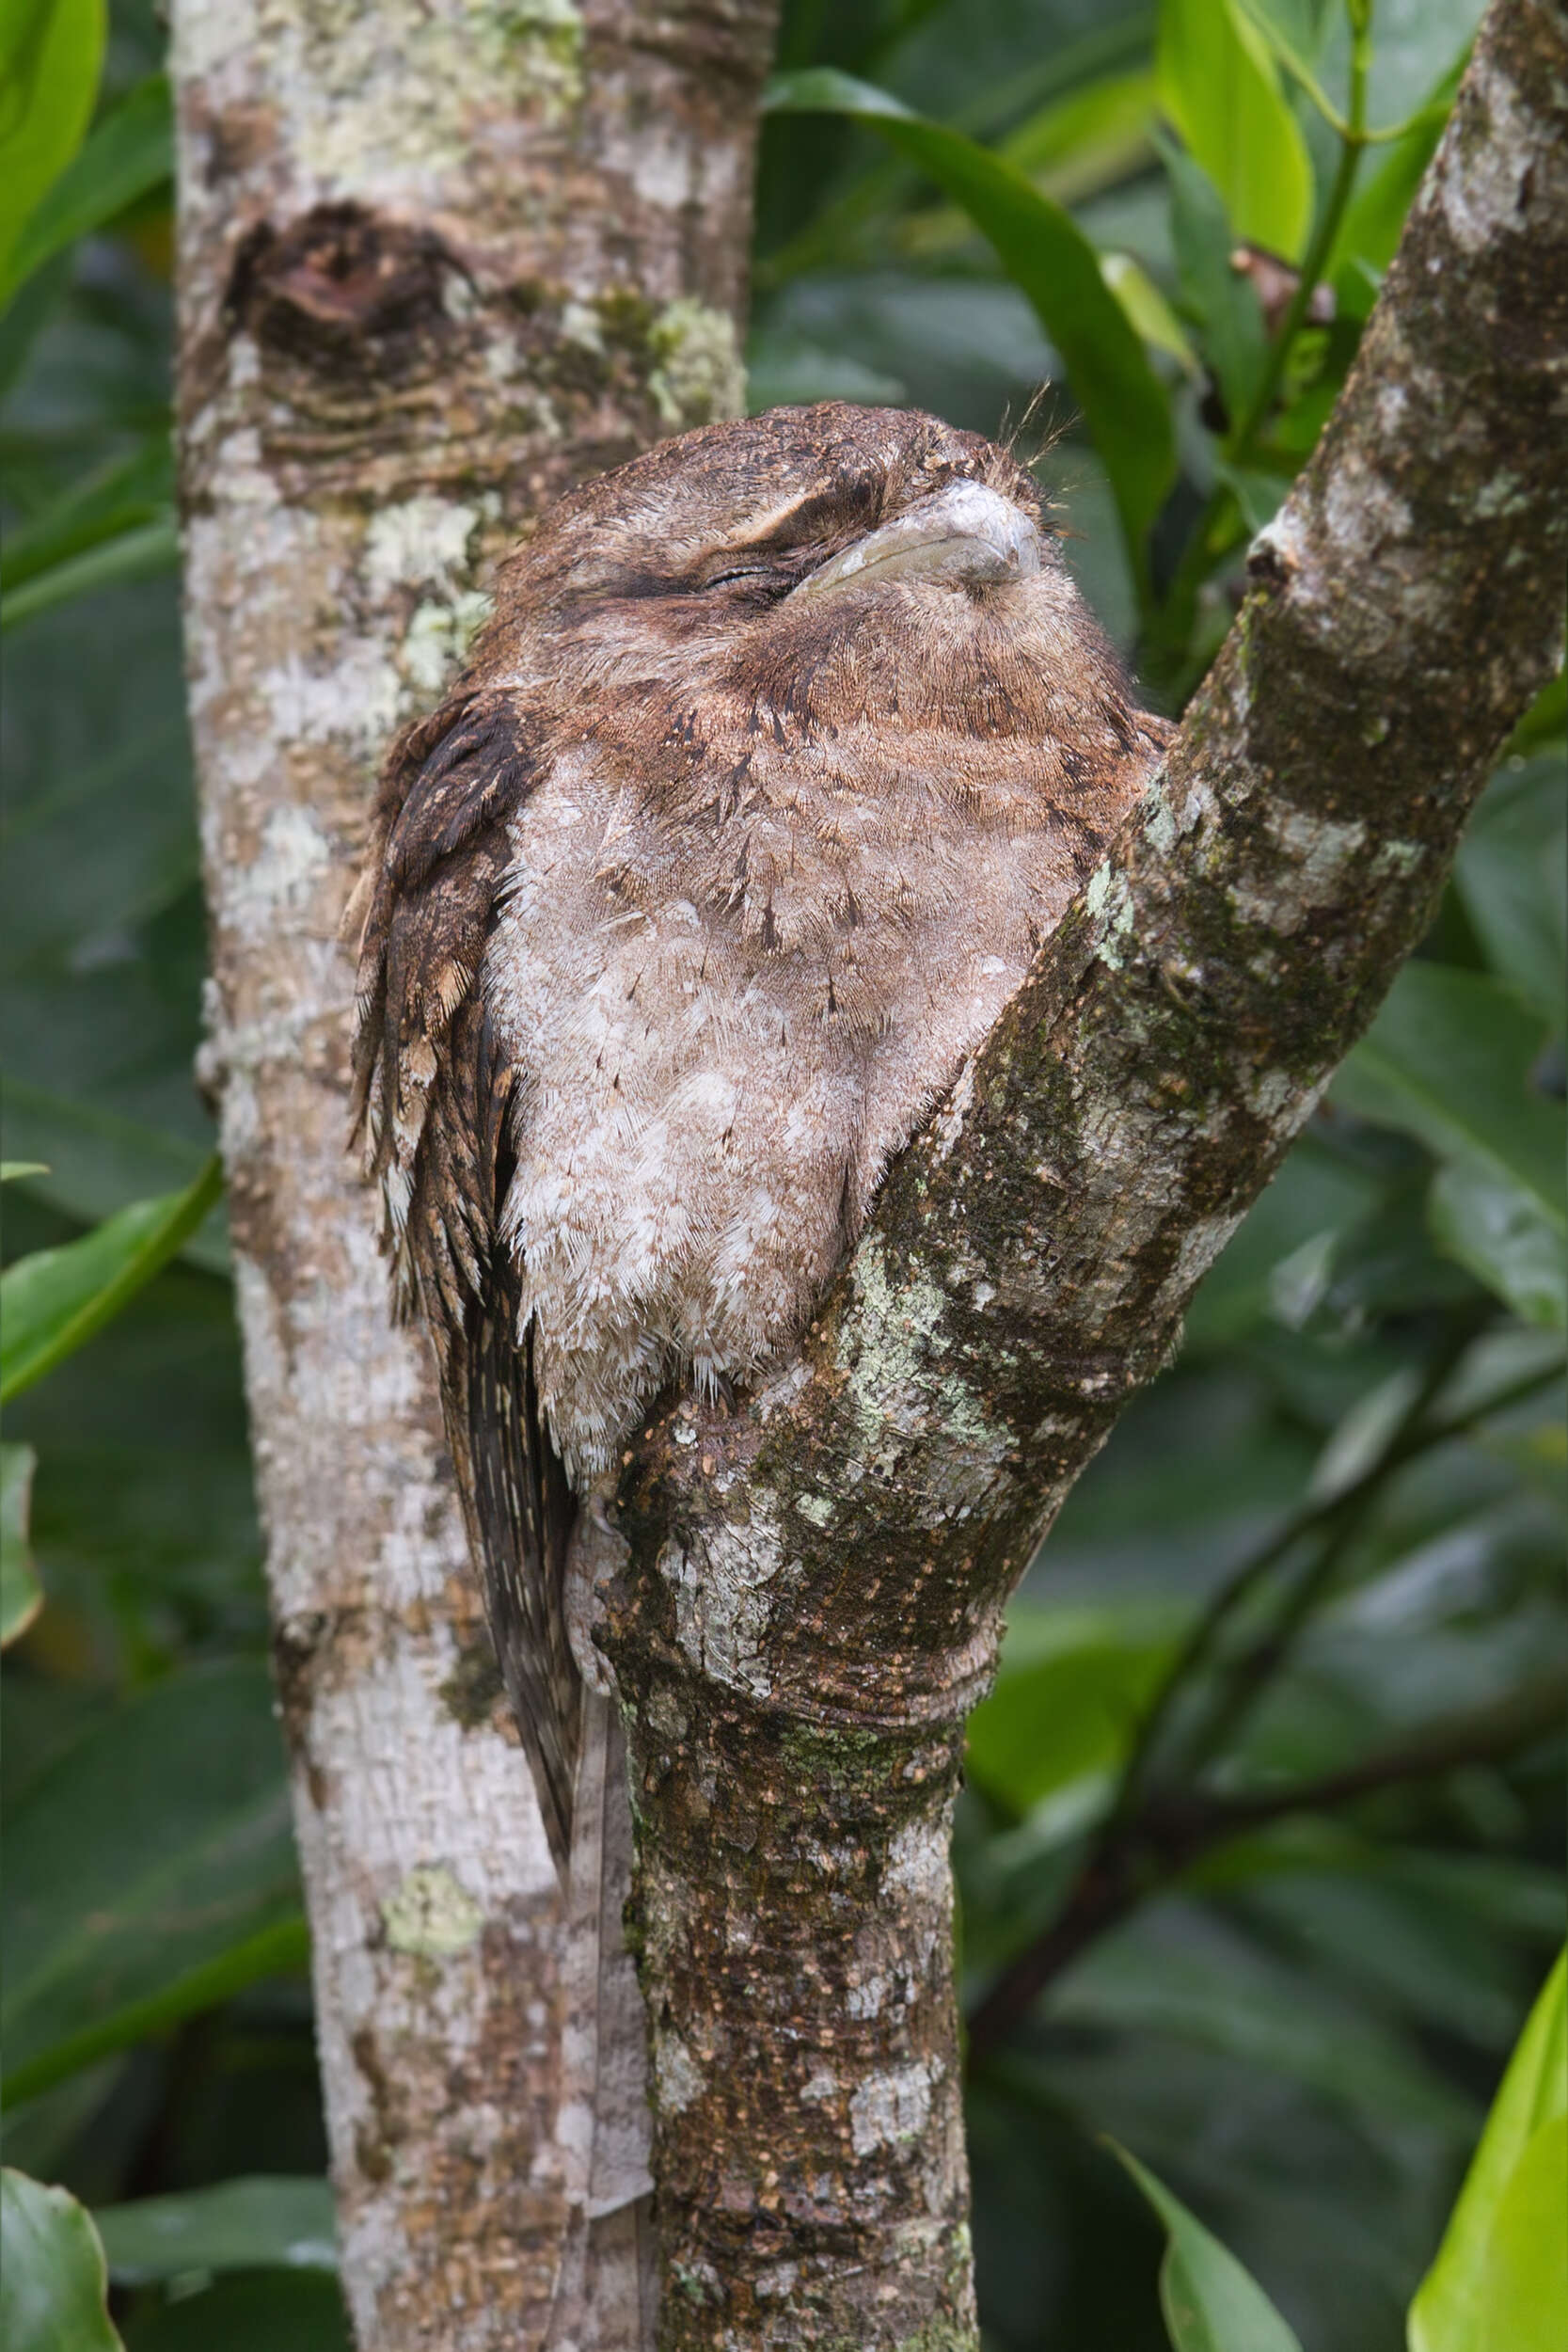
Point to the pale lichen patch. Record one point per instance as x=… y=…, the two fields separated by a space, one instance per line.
x=917 y=1863
x=430 y=1916
x=892 y=2105
x=723 y=1595
x=438 y=637
x=698 y=373
x=417 y=541
x=677 y=2072
x=290 y=860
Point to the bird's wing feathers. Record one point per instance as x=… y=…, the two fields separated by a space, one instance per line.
x=436 y=1094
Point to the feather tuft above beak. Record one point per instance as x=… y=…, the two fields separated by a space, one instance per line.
x=966 y=535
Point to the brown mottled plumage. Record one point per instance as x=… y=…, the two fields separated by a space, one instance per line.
x=786 y=745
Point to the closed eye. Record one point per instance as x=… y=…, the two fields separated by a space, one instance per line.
x=740 y=571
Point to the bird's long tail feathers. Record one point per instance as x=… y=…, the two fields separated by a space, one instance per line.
x=606 y=2293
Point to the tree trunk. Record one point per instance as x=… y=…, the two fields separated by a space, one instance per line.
x=815 y=1594
x=438 y=258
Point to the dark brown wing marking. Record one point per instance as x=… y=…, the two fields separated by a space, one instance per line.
x=437 y=1097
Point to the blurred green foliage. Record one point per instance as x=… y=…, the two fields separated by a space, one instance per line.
x=1267 y=1802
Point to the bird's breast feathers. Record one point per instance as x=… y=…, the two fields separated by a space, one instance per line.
x=729 y=1024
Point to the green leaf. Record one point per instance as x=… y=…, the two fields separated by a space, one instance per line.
x=1513 y=876
x=1147 y=308
x=1051 y=260
x=136 y=554
x=1221 y=301
x=1210 y=2302
x=1219 y=87
x=95 y=1158
x=1448 y=1059
x=150 y=1873
x=1181 y=1974
x=130 y=151
x=1497 y=1232
x=1501 y=2274
x=283 y=2310
x=110 y=500
x=21 y=1594
x=1072 y=1684
x=53 y=1302
x=26 y=317
x=1086 y=140
x=248 y=2224
x=53 y=2286
x=50 y=56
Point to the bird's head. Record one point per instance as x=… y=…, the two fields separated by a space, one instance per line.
x=837 y=563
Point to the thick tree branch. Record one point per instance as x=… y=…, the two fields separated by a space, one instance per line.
x=819 y=1578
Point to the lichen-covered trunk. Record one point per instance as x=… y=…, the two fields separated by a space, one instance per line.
x=437 y=258
x=795 y=1930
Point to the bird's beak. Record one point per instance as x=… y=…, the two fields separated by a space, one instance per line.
x=965 y=534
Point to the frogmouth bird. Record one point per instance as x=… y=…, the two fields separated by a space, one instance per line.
x=785 y=747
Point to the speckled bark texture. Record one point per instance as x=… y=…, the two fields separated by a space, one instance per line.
x=817 y=1576
x=438 y=258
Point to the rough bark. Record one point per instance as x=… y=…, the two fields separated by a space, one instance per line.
x=438 y=258
x=817 y=1577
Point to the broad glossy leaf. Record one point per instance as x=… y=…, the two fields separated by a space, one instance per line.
x=150 y=1873
x=1524 y=2286
x=1513 y=875
x=139 y=553
x=1504 y=2264
x=102 y=932
x=129 y=152
x=1047 y=257
x=1499 y=1232
x=1094 y=137
x=285 y=2310
x=49 y=53
x=54 y=1302
x=247 y=2224
x=1220 y=88
x=94 y=1159
x=1210 y=2302
x=52 y=2285
x=1317 y=1196
x=1147 y=308
x=112 y=499
x=21 y=1594
x=1450 y=1060
x=26 y=318
x=1085 y=140
x=1072 y=1685
x=1221 y=302
x=1181 y=1972
x=1294 y=29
